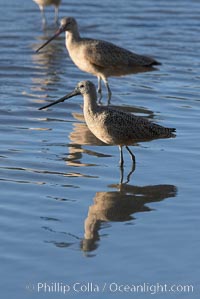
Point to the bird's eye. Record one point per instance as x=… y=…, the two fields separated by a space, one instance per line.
x=81 y=86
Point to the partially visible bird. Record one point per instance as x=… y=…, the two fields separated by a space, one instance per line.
x=100 y=58
x=113 y=126
x=43 y=3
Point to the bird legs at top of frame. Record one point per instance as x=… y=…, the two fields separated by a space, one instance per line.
x=44 y=21
x=56 y=15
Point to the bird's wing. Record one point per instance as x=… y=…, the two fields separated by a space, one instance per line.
x=134 y=127
x=104 y=54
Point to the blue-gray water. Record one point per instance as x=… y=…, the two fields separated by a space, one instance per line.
x=64 y=218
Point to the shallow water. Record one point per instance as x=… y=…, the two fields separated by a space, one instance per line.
x=64 y=216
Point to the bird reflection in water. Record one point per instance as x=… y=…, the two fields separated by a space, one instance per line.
x=120 y=206
x=79 y=137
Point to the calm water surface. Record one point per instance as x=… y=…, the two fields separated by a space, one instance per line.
x=64 y=217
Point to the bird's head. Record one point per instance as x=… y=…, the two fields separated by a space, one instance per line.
x=82 y=88
x=66 y=24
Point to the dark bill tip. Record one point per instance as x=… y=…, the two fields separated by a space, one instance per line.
x=66 y=97
x=58 y=32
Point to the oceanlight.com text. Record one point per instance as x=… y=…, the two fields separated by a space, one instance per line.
x=109 y=287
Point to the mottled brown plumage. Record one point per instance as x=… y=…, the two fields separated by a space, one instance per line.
x=112 y=126
x=101 y=58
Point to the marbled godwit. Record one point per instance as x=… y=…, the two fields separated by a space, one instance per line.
x=43 y=3
x=112 y=126
x=100 y=58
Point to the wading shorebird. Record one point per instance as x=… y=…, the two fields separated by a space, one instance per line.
x=113 y=126
x=100 y=58
x=43 y=3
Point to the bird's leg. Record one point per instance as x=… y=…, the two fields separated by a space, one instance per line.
x=121 y=161
x=99 y=90
x=43 y=15
x=108 y=90
x=131 y=154
x=130 y=173
x=121 y=175
x=121 y=164
x=133 y=164
x=56 y=14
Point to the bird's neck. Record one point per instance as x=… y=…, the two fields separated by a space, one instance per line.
x=90 y=104
x=72 y=36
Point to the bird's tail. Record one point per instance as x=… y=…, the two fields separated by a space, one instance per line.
x=167 y=132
